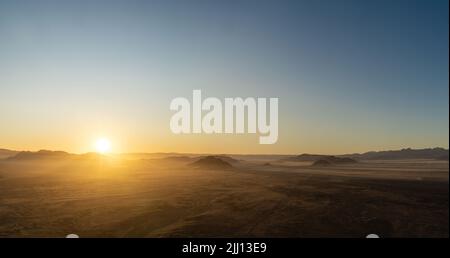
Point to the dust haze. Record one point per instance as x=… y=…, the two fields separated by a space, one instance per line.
x=53 y=194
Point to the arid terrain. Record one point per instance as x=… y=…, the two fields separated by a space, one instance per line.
x=166 y=196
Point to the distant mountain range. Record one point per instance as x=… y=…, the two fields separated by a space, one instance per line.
x=42 y=154
x=435 y=153
x=321 y=160
x=431 y=153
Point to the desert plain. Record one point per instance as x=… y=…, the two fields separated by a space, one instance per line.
x=257 y=196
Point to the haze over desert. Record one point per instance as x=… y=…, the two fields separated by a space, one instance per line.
x=52 y=194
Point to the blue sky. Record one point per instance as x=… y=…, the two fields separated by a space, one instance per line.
x=351 y=75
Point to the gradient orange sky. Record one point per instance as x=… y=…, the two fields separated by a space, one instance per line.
x=351 y=76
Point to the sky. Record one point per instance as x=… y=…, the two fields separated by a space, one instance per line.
x=350 y=75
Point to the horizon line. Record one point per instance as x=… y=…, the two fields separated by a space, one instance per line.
x=205 y=153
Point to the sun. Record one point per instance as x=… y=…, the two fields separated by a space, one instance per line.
x=103 y=145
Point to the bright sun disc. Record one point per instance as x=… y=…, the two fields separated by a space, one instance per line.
x=103 y=145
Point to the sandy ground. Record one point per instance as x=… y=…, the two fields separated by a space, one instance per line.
x=141 y=198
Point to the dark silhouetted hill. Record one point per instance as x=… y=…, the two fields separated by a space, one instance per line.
x=332 y=160
x=339 y=160
x=321 y=163
x=211 y=162
x=227 y=159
